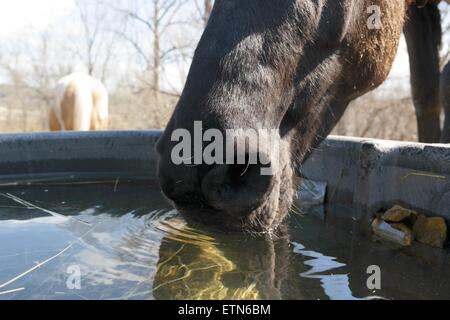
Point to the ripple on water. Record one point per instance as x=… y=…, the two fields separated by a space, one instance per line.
x=127 y=246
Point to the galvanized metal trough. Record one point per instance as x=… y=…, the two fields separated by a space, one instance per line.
x=362 y=173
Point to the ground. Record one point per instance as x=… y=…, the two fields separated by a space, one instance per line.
x=380 y=114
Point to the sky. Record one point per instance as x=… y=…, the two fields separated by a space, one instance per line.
x=15 y=15
x=19 y=15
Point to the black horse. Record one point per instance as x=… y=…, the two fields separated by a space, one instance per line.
x=292 y=66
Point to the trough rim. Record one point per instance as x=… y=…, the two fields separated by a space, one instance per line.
x=352 y=167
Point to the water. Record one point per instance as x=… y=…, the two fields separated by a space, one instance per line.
x=120 y=241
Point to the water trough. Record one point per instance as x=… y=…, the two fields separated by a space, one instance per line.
x=368 y=174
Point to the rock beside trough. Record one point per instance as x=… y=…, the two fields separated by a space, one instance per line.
x=398 y=214
x=430 y=231
x=402 y=226
x=398 y=234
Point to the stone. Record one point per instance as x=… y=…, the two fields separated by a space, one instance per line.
x=398 y=214
x=430 y=231
x=409 y=236
x=398 y=234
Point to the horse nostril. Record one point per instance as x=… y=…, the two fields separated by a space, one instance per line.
x=236 y=188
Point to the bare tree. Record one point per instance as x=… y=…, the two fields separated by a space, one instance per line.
x=153 y=19
x=91 y=28
x=208 y=10
x=445 y=11
x=98 y=42
x=204 y=9
x=44 y=70
x=33 y=63
x=16 y=80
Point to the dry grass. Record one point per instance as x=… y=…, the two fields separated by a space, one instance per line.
x=139 y=111
x=376 y=115
x=380 y=116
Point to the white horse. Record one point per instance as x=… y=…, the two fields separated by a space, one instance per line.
x=81 y=104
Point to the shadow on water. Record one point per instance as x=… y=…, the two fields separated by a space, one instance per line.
x=126 y=245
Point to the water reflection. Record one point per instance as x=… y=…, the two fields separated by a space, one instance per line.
x=128 y=247
x=196 y=265
x=336 y=286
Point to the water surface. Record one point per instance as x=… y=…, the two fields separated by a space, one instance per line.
x=122 y=242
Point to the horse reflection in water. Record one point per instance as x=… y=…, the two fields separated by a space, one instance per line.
x=127 y=250
x=198 y=266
